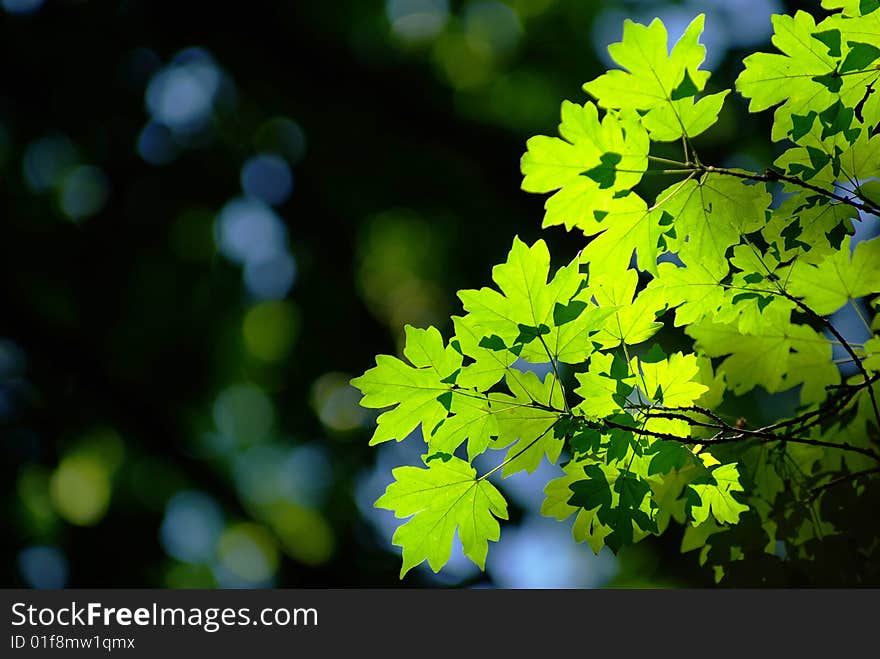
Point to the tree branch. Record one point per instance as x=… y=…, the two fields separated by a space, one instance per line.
x=739 y=435
x=771 y=176
x=846 y=346
x=846 y=478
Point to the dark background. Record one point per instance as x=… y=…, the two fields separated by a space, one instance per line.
x=174 y=406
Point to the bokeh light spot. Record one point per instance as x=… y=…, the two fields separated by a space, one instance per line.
x=104 y=445
x=257 y=474
x=47 y=160
x=305 y=534
x=185 y=575
x=465 y=63
x=529 y=8
x=270 y=330
x=12 y=359
x=33 y=492
x=22 y=6
x=271 y=279
x=397 y=253
x=282 y=136
x=493 y=25
x=181 y=96
x=249 y=552
x=244 y=413
x=306 y=475
x=80 y=490
x=156 y=144
x=84 y=192
x=249 y=231
x=191 y=527
x=43 y=567
x=417 y=20
x=267 y=177
x=337 y=402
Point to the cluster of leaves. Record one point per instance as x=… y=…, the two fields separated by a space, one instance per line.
x=750 y=277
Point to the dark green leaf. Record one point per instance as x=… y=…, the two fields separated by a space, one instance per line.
x=859 y=57
x=832 y=81
x=586 y=441
x=668 y=455
x=654 y=355
x=831 y=38
x=801 y=124
x=685 y=89
x=605 y=173
x=528 y=334
x=567 y=313
x=835 y=119
x=592 y=492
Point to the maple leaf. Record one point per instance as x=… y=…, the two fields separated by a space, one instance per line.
x=415 y=390
x=442 y=499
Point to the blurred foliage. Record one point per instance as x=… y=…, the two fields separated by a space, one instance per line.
x=214 y=216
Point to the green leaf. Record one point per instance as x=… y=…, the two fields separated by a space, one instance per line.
x=831 y=38
x=695 y=290
x=627 y=226
x=686 y=88
x=760 y=359
x=523 y=313
x=859 y=56
x=800 y=227
x=528 y=428
x=605 y=172
x=600 y=392
x=736 y=269
x=789 y=78
x=667 y=122
x=801 y=125
x=712 y=214
x=442 y=499
x=668 y=455
x=839 y=278
x=619 y=501
x=492 y=358
x=415 y=390
x=587 y=526
x=811 y=364
x=852 y=7
x=837 y=118
x=718 y=497
x=652 y=73
x=632 y=491
x=634 y=320
x=593 y=160
x=473 y=420
x=592 y=492
x=672 y=381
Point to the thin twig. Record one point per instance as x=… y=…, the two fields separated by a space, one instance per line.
x=841 y=480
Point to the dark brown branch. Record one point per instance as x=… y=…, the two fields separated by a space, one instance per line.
x=771 y=176
x=846 y=346
x=739 y=435
x=847 y=478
